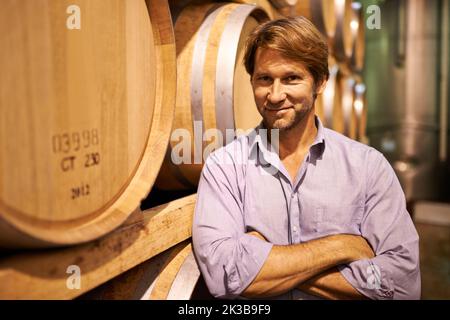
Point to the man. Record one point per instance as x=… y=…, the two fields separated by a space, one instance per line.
x=324 y=216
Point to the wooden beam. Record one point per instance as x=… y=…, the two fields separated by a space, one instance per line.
x=43 y=274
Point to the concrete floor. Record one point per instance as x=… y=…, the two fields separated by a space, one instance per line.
x=434 y=260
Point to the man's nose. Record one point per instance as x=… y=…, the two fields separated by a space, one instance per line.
x=276 y=92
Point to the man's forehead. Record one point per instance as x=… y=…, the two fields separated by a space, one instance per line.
x=268 y=58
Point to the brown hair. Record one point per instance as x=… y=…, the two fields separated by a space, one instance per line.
x=297 y=39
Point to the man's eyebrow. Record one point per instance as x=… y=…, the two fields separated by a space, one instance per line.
x=260 y=73
x=289 y=73
x=295 y=73
x=301 y=73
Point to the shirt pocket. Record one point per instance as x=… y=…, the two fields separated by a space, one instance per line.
x=338 y=219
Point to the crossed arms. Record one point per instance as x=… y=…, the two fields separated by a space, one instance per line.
x=310 y=267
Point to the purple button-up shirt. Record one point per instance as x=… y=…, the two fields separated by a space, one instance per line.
x=342 y=187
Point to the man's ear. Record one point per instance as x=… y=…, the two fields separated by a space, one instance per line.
x=320 y=87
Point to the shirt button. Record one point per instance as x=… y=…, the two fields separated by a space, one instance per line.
x=294 y=228
x=292 y=196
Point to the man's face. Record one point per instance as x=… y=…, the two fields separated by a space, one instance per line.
x=283 y=89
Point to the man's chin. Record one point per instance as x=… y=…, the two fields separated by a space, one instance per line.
x=279 y=124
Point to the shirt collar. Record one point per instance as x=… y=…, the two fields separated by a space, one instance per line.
x=259 y=142
x=318 y=146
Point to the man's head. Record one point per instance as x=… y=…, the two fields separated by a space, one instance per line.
x=287 y=60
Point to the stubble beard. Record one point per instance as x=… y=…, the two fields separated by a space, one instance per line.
x=285 y=125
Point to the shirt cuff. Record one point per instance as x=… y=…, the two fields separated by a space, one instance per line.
x=241 y=270
x=370 y=279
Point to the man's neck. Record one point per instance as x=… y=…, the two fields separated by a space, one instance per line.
x=297 y=140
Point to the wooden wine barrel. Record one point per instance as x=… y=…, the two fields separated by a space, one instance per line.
x=346 y=103
x=330 y=116
x=321 y=13
x=172 y=275
x=86 y=107
x=336 y=105
x=343 y=106
x=178 y=278
x=214 y=89
x=358 y=29
x=283 y=3
x=286 y=8
x=332 y=18
x=343 y=41
x=360 y=106
x=268 y=6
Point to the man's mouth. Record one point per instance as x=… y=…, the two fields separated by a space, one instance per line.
x=278 y=109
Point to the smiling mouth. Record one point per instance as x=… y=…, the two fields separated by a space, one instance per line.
x=275 y=110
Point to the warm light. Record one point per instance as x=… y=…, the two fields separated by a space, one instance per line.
x=347 y=100
x=401 y=166
x=354 y=25
x=358 y=104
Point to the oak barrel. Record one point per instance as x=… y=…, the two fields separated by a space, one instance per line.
x=346 y=103
x=358 y=29
x=321 y=13
x=333 y=19
x=326 y=102
x=360 y=106
x=283 y=3
x=214 y=90
x=342 y=106
x=86 y=107
x=171 y=275
x=270 y=9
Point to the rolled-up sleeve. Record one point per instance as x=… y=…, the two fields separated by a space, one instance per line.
x=228 y=258
x=394 y=272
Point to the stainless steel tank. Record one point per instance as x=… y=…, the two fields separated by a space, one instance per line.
x=403 y=76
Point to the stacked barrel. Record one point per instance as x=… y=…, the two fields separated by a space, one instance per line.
x=93 y=92
x=88 y=112
x=342 y=106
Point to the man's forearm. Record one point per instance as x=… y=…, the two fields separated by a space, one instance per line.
x=330 y=285
x=288 y=266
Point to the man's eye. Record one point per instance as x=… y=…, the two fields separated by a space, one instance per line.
x=293 y=78
x=264 y=78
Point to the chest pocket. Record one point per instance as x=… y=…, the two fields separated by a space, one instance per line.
x=338 y=219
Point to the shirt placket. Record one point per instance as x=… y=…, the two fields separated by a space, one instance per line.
x=295 y=205
x=295 y=218
x=291 y=195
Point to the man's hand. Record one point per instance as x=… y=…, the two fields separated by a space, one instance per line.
x=332 y=285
